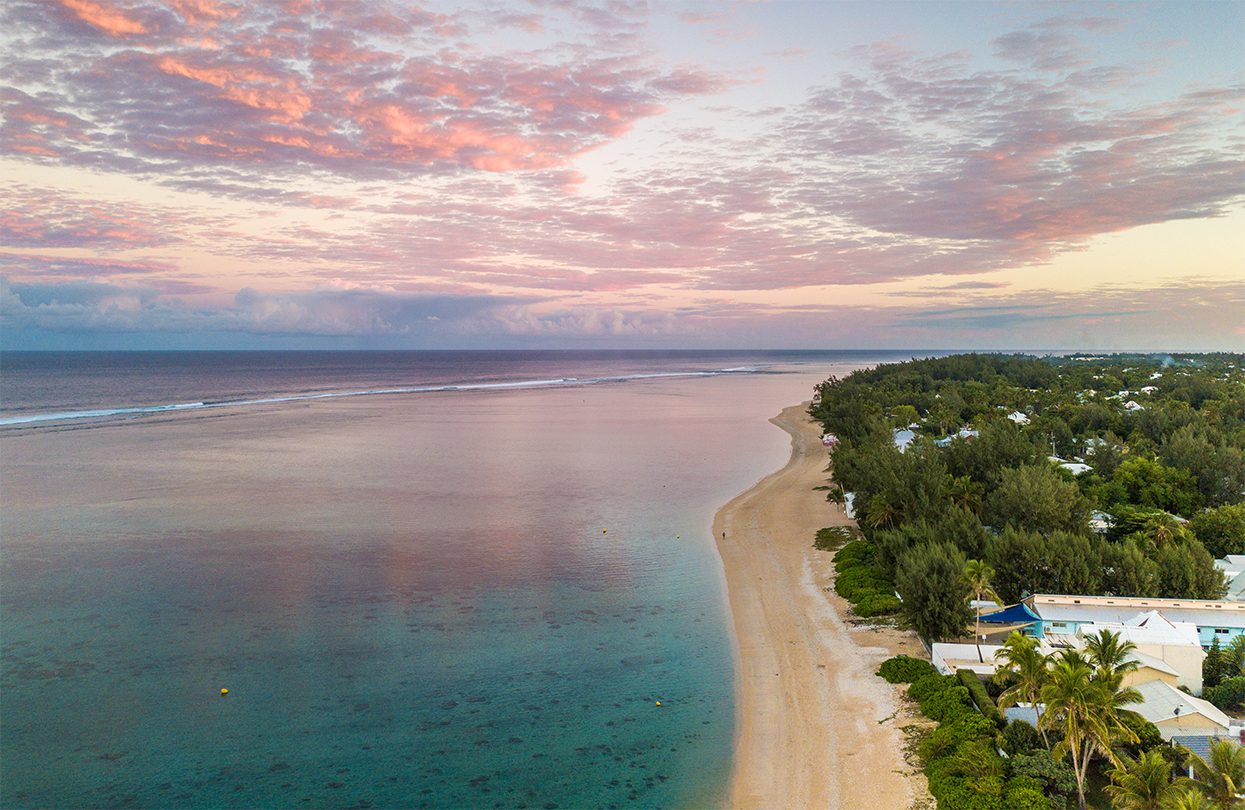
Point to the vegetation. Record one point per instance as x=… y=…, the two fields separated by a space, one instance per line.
x=1164 y=438
x=859 y=580
x=1222 y=777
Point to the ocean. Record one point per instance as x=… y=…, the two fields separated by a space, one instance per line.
x=441 y=579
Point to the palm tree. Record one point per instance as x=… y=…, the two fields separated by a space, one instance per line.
x=1111 y=657
x=879 y=512
x=1222 y=777
x=1189 y=799
x=976 y=577
x=1234 y=657
x=1021 y=658
x=1086 y=711
x=1145 y=783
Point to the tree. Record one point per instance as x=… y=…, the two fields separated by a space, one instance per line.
x=928 y=581
x=1144 y=783
x=1086 y=712
x=1028 y=562
x=1212 y=665
x=1149 y=483
x=1188 y=799
x=1111 y=657
x=1222 y=777
x=1036 y=498
x=1021 y=659
x=976 y=577
x=1234 y=658
x=1221 y=530
x=1188 y=572
x=1128 y=571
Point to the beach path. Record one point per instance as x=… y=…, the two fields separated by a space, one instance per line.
x=815 y=727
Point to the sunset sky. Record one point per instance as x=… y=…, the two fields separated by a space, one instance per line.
x=550 y=173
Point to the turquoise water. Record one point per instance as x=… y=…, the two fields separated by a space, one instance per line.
x=410 y=599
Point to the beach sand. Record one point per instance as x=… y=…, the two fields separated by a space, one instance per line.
x=815 y=726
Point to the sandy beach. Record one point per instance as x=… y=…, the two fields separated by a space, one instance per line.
x=815 y=727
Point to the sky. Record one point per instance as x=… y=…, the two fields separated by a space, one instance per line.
x=621 y=174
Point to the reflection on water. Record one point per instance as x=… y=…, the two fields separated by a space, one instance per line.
x=412 y=601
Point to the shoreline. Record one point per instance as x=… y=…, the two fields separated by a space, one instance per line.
x=814 y=726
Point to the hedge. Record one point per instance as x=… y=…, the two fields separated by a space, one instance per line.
x=964 y=769
x=905 y=669
x=977 y=690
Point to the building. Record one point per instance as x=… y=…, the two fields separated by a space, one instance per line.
x=1175 y=713
x=1167 y=646
x=1232 y=567
x=1063 y=614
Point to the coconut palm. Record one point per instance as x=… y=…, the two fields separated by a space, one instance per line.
x=1188 y=799
x=1086 y=711
x=1111 y=657
x=1145 y=783
x=1234 y=657
x=880 y=513
x=1021 y=658
x=976 y=577
x=1222 y=776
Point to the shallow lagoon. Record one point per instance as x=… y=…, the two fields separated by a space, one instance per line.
x=411 y=599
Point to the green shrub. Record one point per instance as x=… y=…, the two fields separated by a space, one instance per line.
x=854 y=584
x=947 y=705
x=977 y=758
x=949 y=736
x=857 y=552
x=877 y=604
x=981 y=698
x=1229 y=694
x=927 y=685
x=1020 y=738
x=905 y=669
x=1148 y=735
x=1055 y=775
x=832 y=537
x=968 y=793
x=1026 y=799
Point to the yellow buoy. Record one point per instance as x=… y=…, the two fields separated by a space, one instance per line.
x=603 y=531
x=659 y=703
x=224 y=692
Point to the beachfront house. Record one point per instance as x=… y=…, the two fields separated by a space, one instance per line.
x=1062 y=614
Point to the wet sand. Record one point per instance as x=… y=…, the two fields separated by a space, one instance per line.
x=815 y=727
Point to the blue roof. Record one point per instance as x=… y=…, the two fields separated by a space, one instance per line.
x=1026 y=713
x=1200 y=743
x=1016 y=614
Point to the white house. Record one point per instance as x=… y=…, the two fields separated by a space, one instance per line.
x=1018 y=417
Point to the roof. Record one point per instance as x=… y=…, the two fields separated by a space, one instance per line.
x=1026 y=713
x=1143 y=660
x=1018 y=613
x=1162 y=701
x=1150 y=627
x=1200 y=743
x=903 y=438
x=1081 y=609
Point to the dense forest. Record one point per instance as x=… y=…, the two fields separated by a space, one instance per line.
x=1118 y=475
